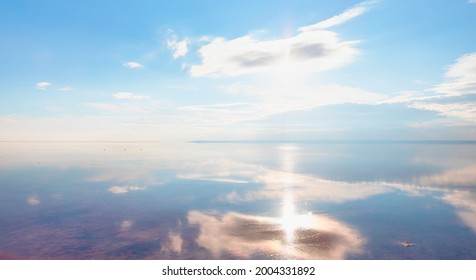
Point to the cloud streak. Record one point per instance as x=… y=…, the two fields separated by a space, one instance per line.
x=128 y=96
x=133 y=65
x=347 y=15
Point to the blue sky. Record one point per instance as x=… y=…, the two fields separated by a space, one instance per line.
x=235 y=70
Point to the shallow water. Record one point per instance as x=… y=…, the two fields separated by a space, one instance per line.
x=322 y=200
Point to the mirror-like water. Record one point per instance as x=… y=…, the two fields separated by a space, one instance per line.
x=323 y=200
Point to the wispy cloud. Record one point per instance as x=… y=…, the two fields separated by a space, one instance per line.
x=453 y=99
x=466 y=111
x=133 y=65
x=124 y=109
x=212 y=107
x=128 y=96
x=341 y=18
x=460 y=77
x=42 y=85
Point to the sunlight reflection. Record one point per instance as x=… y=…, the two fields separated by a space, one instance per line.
x=288 y=222
x=287 y=157
x=249 y=236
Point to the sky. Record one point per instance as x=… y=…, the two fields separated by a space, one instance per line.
x=237 y=70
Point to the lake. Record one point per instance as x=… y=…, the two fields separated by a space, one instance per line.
x=238 y=200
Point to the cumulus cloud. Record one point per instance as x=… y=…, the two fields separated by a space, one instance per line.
x=311 y=49
x=124 y=189
x=179 y=48
x=133 y=65
x=460 y=77
x=315 y=50
x=128 y=96
x=42 y=85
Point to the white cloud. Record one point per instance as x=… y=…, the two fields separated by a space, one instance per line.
x=341 y=18
x=128 y=96
x=460 y=77
x=312 y=49
x=308 y=51
x=124 y=189
x=133 y=65
x=179 y=48
x=66 y=88
x=453 y=97
x=42 y=85
x=472 y=1
x=466 y=111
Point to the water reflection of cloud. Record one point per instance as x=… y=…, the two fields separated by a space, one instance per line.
x=173 y=244
x=275 y=182
x=33 y=200
x=465 y=203
x=463 y=177
x=125 y=225
x=124 y=189
x=309 y=187
x=213 y=179
x=225 y=171
x=247 y=236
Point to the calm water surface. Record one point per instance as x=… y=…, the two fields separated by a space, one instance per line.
x=323 y=200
